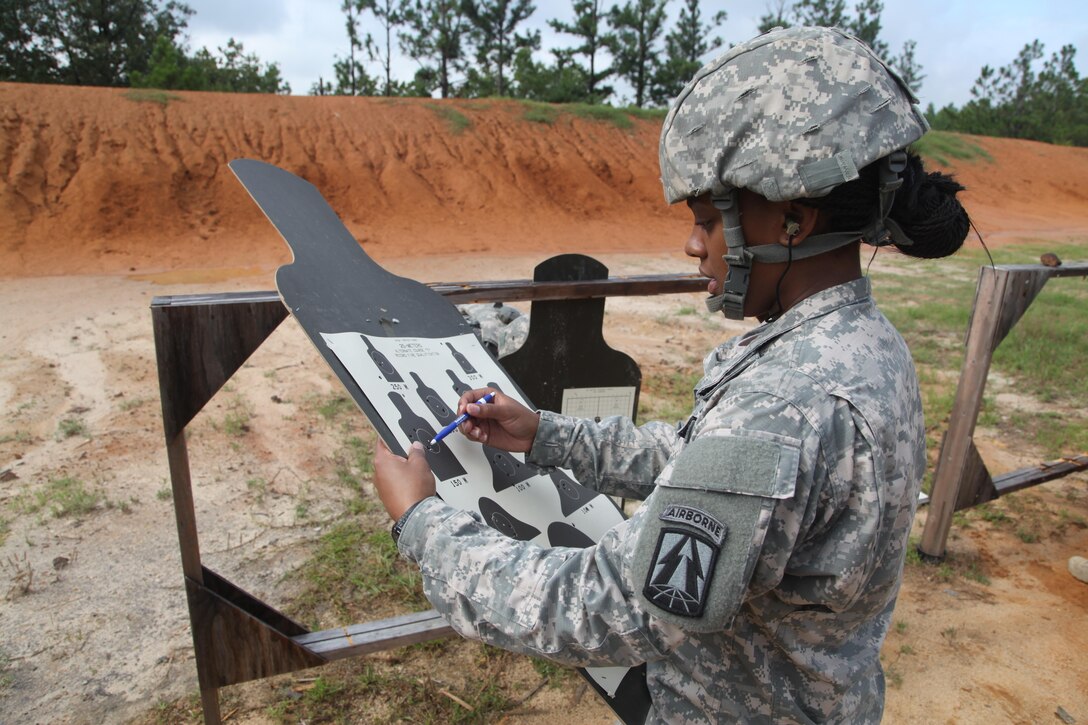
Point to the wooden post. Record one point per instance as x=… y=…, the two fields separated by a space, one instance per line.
x=1002 y=296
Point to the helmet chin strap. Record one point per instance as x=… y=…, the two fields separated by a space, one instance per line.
x=739 y=257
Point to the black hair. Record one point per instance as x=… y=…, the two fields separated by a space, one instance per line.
x=925 y=208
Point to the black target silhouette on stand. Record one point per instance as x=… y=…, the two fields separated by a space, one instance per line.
x=506 y=471
x=382 y=362
x=499 y=518
x=440 y=458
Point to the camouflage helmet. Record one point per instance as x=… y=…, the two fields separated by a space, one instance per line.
x=789 y=114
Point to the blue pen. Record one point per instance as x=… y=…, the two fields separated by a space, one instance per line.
x=460 y=419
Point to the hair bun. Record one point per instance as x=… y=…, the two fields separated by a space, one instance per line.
x=927 y=210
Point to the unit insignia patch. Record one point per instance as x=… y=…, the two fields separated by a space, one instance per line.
x=679 y=578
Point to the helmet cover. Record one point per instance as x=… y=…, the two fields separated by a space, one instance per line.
x=789 y=114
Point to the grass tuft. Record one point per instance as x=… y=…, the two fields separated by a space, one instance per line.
x=63 y=497
x=536 y=112
x=72 y=427
x=457 y=121
x=944 y=147
x=151 y=95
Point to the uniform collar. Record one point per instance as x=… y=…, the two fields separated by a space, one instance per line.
x=817 y=305
x=810 y=308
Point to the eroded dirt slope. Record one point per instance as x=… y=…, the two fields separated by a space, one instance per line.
x=106 y=180
x=94 y=181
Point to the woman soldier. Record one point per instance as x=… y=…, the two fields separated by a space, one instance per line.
x=758 y=578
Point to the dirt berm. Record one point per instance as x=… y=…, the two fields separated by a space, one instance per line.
x=108 y=180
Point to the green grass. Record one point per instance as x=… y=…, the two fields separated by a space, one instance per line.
x=334 y=406
x=556 y=675
x=622 y=118
x=19 y=436
x=536 y=112
x=944 y=147
x=618 y=117
x=457 y=121
x=131 y=404
x=151 y=95
x=374 y=692
x=6 y=678
x=258 y=486
x=667 y=395
x=354 y=461
x=351 y=568
x=72 y=427
x=236 y=421
x=62 y=497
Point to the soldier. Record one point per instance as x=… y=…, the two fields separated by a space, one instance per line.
x=758 y=578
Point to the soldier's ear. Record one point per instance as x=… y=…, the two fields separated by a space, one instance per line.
x=798 y=223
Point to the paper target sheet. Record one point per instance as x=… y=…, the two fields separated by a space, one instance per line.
x=415 y=383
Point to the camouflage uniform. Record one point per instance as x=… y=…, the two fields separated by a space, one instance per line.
x=501 y=328
x=759 y=576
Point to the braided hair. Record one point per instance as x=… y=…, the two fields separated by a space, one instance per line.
x=925 y=207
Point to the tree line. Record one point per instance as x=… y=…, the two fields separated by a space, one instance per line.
x=479 y=48
x=462 y=48
x=472 y=48
x=121 y=43
x=1025 y=100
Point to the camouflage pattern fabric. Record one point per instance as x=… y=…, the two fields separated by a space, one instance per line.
x=825 y=400
x=501 y=328
x=789 y=114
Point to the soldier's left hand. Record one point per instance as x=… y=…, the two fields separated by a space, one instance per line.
x=401 y=482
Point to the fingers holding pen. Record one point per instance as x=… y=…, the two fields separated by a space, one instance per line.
x=504 y=422
x=473 y=427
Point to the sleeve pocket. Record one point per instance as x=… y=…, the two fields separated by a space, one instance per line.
x=705 y=524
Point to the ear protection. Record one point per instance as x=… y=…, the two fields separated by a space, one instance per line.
x=792 y=227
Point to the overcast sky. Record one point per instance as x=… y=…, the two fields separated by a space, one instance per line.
x=955 y=38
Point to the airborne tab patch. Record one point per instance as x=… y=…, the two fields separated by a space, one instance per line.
x=679 y=578
x=697 y=518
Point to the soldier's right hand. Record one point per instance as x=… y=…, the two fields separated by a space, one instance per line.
x=503 y=423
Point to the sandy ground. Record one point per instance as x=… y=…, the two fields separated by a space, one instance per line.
x=106 y=202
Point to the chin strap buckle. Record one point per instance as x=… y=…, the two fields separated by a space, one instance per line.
x=738 y=257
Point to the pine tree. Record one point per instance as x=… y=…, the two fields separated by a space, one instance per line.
x=495 y=37
x=1017 y=102
x=26 y=50
x=232 y=70
x=638 y=26
x=685 y=48
x=824 y=13
x=908 y=68
x=777 y=15
x=351 y=77
x=389 y=15
x=97 y=43
x=590 y=25
x=436 y=30
x=866 y=25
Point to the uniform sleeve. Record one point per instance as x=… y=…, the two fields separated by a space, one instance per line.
x=575 y=606
x=613 y=456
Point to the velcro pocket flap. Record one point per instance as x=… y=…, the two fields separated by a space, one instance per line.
x=752 y=463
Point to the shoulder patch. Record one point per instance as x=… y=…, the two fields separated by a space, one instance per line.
x=697 y=518
x=679 y=577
